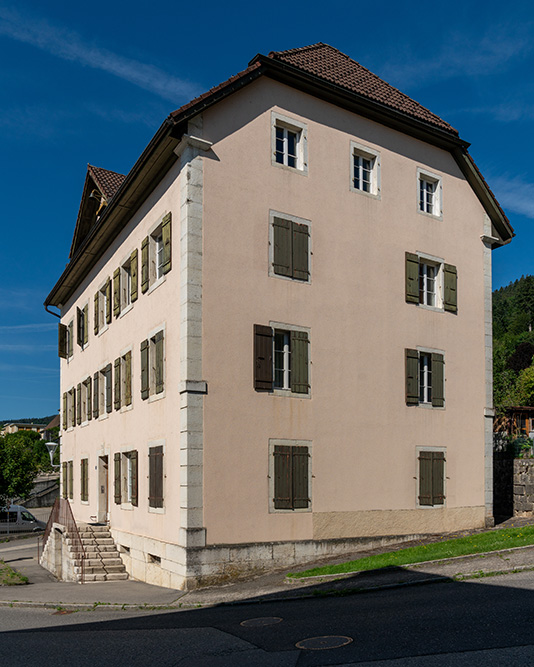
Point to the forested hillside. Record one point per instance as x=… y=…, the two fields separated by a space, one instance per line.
x=513 y=344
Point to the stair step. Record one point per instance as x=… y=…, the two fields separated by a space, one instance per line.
x=116 y=576
x=95 y=577
x=114 y=568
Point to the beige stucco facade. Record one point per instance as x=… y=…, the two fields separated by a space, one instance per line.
x=215 y=428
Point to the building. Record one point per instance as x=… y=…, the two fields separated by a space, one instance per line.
x=276 y=329
x=14 y=427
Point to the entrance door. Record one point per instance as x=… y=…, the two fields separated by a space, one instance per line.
x=103 y=495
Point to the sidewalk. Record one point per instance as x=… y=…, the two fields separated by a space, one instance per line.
x=45 y=590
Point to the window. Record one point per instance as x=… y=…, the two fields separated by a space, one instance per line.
x=102 y=309
x=429 y=193
x=82 y=325
x=155 y=476
x=153 y=365
x=289 y=142
x=365 y=169
x=281 y=358
x=425 y=378
x=69 y=408
x=289 y=475
x=65 y=487
x=102 y=392
x=125 y=285
x=126 y=478
x=430 y=282
x=289 y=247
x=66 y=340
x=431 y=477
x=156 y=254
x=84 y=480
x=85 y=392
x=123 y=380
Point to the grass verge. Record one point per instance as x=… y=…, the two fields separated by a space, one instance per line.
x=494 y=540
x=10 y=577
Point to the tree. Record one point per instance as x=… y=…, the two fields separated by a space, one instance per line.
x=22 y=456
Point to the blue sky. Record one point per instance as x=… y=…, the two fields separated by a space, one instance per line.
x=92 y=83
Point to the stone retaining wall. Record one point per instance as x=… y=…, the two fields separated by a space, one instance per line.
x=513 y=486
x=523 y=487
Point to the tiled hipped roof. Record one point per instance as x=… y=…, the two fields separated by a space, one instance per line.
x=107 y=181
x=326 y=62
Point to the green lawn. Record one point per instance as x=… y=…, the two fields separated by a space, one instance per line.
x=461 y=546
x=10 y=577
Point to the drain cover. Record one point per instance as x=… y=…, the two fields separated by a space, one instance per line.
x=259 y=622
x=319 y=643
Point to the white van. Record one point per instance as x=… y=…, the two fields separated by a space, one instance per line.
x=19 y=520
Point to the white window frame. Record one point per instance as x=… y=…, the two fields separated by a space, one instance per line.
x=124 y=407
x=362 y=152
x=424 y=176
x=126 y=478
x=86 y=407
x=300 y=129
x=439 y=285
x=125 y=284
x=427 y=351
x=273 y=442
x=155 y=251
x=70 y=339
x=418 y=450
x=282 y=327
x=300 y=221
x=70 y=407
x=102 y=387
x=102 y=303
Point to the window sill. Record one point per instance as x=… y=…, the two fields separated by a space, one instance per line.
x=156 y=397
x=156 y=284
x=299 y=510
x=289 y=394
x=125 y=310
x=429 y=406
x=156 y=510
x=103 y=330
x=126 y=408
x=272 y=274
x=370 y=195
x=102 y=417
x=128 y=507
x=85 y=423
x=84 y=502
x=431 y=507
x=303 y=171
x=436 y=309
x=430 y=215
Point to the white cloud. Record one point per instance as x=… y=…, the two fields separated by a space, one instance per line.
x=28 y=328
x=69 y=45
x=460 y=55
x=25 y=349
x=508 y=112
x=514 y=194
x=18 y=368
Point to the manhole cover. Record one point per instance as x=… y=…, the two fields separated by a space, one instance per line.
x=319 y=643
x=259 y=622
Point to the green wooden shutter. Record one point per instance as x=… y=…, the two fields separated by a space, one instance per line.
x=133 y=460
x=438 y=484
x=425 y=478
x=62 y=337
x=133 y=275
x=282 y=247
x=300 y=465
x=65 y=490
x=96 y=314
x=299 y=362
x=144 y=370
x=117 y=473
x=412 y=278
x=167 y=242
x=108 y=301
x=79 y=403
x=109 y=388
x=70 y=337
x=159 y=362
x=89 y=394
x=85 y=324
x=283 y=474
x=117 y=292
x=117 y=384
x=450 y=301
x=128 y=378
x=144 y=265
x=263 y=358
x=155 y=484
x=84 y=474
x=65 y=411
x=300 y=251
x=71 y=479
x=79 y=326
x=412 y=376
x=72 y=408
x=438 y=377
x=96 y=396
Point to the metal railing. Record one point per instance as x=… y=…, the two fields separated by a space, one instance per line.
x=62 y=513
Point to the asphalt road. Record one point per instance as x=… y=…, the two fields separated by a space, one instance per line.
x=483 y=622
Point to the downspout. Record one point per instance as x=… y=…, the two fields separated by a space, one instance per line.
x=51 y=312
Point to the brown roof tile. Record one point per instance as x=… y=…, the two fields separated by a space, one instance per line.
x=107 y=181
x=326 y=62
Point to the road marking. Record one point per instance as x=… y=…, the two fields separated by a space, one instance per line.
x=26 y=546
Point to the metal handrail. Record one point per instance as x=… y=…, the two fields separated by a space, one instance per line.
x=62 y=513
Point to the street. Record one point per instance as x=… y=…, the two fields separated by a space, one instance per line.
x=483 y=622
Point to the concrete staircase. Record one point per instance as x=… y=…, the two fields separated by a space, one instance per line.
x=103 y=562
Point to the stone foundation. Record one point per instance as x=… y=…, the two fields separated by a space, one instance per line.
x=523 y=487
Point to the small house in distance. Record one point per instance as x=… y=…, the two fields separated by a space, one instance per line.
x=276 y=328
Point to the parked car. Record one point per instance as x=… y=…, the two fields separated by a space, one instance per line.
x=18 y=519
